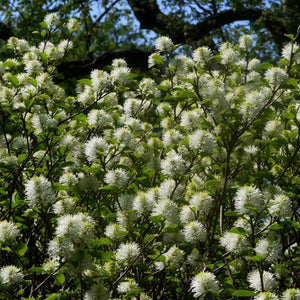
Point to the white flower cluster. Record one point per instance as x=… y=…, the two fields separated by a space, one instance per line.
x=8 y=232
x=38 y=191
x=10 y=275
x=204 y=283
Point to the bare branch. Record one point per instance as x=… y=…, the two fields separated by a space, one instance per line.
x=135 y=58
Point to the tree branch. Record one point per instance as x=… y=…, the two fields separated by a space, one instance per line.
x=135 y=58
x=5 y=31
x=150 y=17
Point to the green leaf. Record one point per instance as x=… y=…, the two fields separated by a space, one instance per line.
x=290 y=36
x=238 y=230
x=43 y=56
x=53 y=296
x=134 y=292
x=231 y=213
x=265 y=66
x=6 y=249
x=86 y=81
x=173 y=228
x=291 y=82
x=81 y=117
x=103 y=241
x=156 y=219
x=14 y=80
x=276 y=227
x=43 y=34
x=288 y=115
x=36 y=270
x=149 y=237
x=21 y=248
x=296 y=225
x=107 y=188
x=243 y=293
x=44 y=24
x=212 y=183
x=59 y=279
x=256 y=258
x=162 y=88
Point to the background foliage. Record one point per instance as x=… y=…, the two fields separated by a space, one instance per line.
x=176 y=183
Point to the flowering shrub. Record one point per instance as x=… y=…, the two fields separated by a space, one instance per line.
x=180 y=186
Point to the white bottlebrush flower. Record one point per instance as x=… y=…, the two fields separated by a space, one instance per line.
x=94 y=147
x=249 y=200
x=164 y=44
x=194 y=232
x=127 y=253
x=33 y=66
x=251 y=149
x=51 y=265
x=204 y=283
x=42 y=122
x=173 y=164
x=124 y=137
x=276 y=76
x=169 y=189
x=291 y=294
x=148 y=88
x=112 y=231
x=202 y=141
x=61 y=248
x=154 y=59
x=127 y=286
x=202 y=56
x=253 y=76
x=254 y=64
x=178 y=64
x=266 y=296
x=119 y=62
x=64 y=206
x=8 y=231
x=254 y=101
x=117 y=178
x=274 y=128
x=120 y=75
x=99 y=118
x=187 y=214
x=97 y=292
x=101 y=81
x=229 y=56
x=10 y=275
x=171 y=137
x=21 y=45
x=202 y=202
x=68 y=179
x=64 y=46
x=174 y=257
x=73 y=24
x=268 y=250
x=86 y=96
x=142 y=204
x=289 y=52
x=191 y=120
x=256 y=284
x=38 y=191
x=52 y=20
x=168 y=209
x=79 y=228
x=246 y=42
x=234 y=242
x=280 y=206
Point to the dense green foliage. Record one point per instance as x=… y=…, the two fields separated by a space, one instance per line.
x=180 y=185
